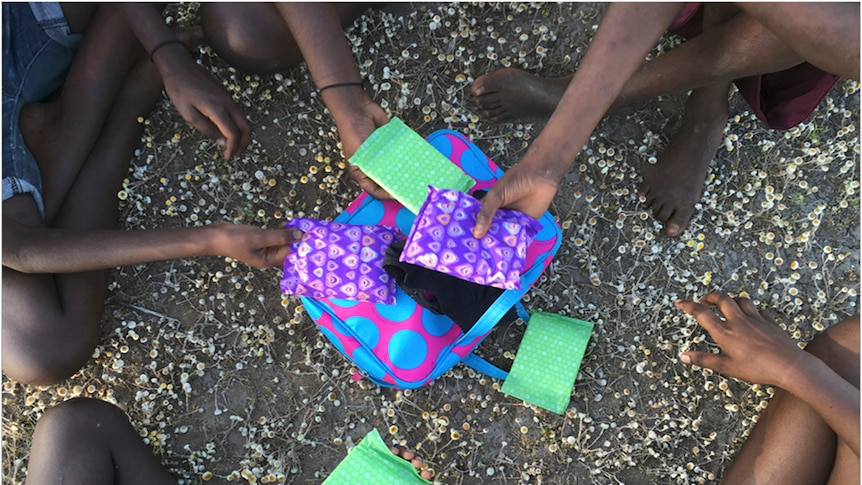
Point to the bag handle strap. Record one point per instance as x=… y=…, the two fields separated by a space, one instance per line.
x=493 y=314
x=481 y=365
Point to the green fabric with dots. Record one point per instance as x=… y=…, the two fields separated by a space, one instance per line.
x=404 y=164
x=548 y=360
x=371 y=463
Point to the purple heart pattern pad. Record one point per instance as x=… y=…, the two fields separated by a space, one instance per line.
x=442 y=239
x=341 y=261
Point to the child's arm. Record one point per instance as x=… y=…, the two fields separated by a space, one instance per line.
x=755 y=349
x=199 y=99
x=626 y=34
x=320 y=38
x=48 y=250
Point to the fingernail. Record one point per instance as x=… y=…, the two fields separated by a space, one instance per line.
x=685 y=358
x=673 y=230
x=221 y=142
x=297 y=234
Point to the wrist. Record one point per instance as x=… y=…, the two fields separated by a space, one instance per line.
x=797 y=371
x=344 y=101
x=547 y=165
x=208 y=239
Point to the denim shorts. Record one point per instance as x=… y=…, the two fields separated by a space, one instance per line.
x=37 y=51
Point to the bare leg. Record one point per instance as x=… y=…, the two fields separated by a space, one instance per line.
x=107 y=53
x=253 y=38
x=91 y=441
x=674 y=184
x=51 y=322
x=790 y=443
x=722 y=53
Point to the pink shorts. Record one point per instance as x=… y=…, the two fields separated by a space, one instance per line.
x=780 y=99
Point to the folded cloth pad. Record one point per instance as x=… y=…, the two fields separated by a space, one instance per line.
x=335 y=260
x=441 y=239
x=404 y=164
x=371 y=463
x=548 y=360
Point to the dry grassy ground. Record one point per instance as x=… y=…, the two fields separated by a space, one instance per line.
x=226 y=379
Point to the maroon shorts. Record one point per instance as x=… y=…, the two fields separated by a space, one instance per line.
x=780 y=99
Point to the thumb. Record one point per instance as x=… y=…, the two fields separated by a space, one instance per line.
x=293 y=235
x=704 y=359
x=490 y=203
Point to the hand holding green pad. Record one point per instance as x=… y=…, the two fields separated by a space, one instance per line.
x=371 y=463
x=404 y=164
x=548 y=360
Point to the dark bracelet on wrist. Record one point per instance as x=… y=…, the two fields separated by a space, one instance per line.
x=341 y=85
x=162 y=44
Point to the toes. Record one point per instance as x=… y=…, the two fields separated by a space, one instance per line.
x=663 y=213
x=478 y=86
x=677 y=223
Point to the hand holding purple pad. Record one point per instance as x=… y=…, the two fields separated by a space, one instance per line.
x=341 y=261
x=441 y=239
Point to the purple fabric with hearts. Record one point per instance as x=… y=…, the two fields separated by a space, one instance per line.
x=442 y=239
x=341 y=261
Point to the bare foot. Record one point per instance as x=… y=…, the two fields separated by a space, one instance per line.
x=673 y=185
x=511 y=93
x=414 y=459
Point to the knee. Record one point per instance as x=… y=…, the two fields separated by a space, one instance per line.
x=251 y=37
x=838 y=347
x=44 y=363
x=79 y=415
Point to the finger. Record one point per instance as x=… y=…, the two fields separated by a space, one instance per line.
x=727 y=305
x=244 y=129
x=278 y=256
x=279 y=237
x=747 y=307
x=426 y=474
x=228 y=129
x=703 y=314
x=768 y=316
x=373 y=189
x=294 y=235
x=203 y=124
x=709 y=360
x=379 y=116
x=490 y=203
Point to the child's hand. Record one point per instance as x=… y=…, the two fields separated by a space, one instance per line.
x=208 y=107
x=356 y=116
x=754 y=348
x=262 y=248
x=521 y=188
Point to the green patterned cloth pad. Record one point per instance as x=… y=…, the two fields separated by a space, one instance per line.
x=371 y=463
x=404 y=164
x=548 y=360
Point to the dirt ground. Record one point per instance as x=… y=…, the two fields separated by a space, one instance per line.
x=224 y=376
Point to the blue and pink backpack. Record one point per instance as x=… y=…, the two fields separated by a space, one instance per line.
x=404 y=345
